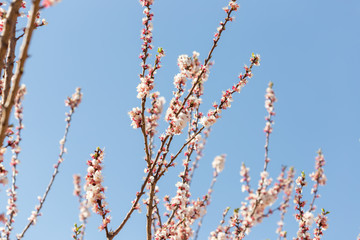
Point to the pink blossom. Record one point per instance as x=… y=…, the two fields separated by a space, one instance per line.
x=74 y=101
x=219 y=163
x=95 y=192
x=135 y=116
x=77 y=188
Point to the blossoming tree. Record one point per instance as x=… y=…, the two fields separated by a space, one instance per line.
x=172 y=217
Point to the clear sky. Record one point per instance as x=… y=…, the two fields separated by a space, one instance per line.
x=309 y=49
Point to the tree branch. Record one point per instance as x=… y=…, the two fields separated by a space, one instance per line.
x=9 y=102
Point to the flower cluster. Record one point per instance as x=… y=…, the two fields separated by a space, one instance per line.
x=155 y=111
x=184 y=214
x=34 y=214
x=269 y=105
x=146 y=2
x=318 y=176
x=179 y=112
x=77 y=187
x=94 y=188
x=135 y=116
x=4 y=181
x=221 y=232
x=146 y=81
x=18 y=102
x=286 y=199
x=49 y=3
x=244 y=172
x=253 y=211
x=84 y=204
x=305 y=218
x=74 y=101
x=219 y=163
x=232 y=6
x=321 y=223
x=14 y=143
x=270 y=99
x=3 y=171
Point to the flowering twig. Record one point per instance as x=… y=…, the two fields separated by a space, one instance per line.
x=227 y=97
x=263 y=183
x=304 y=218
x=173 y=158
x=220 y=232
x=146 y=82
x=156 y=109
x=233 y=6
x=12 y=208
x=321 y=222
x=285 y=204
x=166 y=140
x=73 y=102
x=199 y=153
x=244 y=172
x=269 y=105
x=95 y=190
x=84 y=205
x=318 y=177
x=135 y=204
x=77 y=232
x=218 y=165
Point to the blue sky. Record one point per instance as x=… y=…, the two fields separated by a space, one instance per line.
x=309 y=50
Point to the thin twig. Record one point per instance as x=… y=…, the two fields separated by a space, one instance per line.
x=56 y=169
x=208 y=196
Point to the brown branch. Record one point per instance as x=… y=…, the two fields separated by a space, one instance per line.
x=9 y=102
x=111 y=235
x=158 y=216
x=103 y=215
x=10 y=22
x=161 y=173
x=9 y=64
x=149 y=212
x=143 y=130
